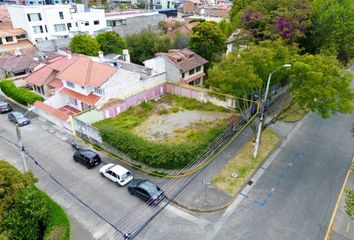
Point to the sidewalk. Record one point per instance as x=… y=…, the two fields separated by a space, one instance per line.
x=343 y=226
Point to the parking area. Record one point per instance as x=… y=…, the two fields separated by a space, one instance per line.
x=96 y=202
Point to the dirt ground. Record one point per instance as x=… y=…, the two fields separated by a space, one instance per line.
x=177 y=126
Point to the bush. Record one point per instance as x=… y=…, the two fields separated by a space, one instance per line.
x=20 y=95
x=25 y=211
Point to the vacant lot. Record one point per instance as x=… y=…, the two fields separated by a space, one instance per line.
x=167 y=133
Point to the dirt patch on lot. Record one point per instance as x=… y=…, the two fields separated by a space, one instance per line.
x=180 y=126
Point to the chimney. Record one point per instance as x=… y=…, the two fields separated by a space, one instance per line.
x=126 y=56
x=100 y=56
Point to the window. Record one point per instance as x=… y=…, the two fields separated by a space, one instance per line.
x=21 y=36
x=61 y=15
x=37 y=29
x=99 y=91
x=69 y=26
x=87 y=23
x=111 y=23
x=182 y=75
x=191 y=72
x=199 y=68
x=70 y=84
x=32 y=17
x=9 y=39
x=59 y=27
x=96 y=22
x=46 y=29
x=73 y=101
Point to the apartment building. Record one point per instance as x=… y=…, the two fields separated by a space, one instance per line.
x=48 y=22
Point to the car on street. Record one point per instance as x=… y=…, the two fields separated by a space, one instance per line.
x=116 y=173
x=146 y=190
x=18 y=118
x=87 y=157
x=5 y=107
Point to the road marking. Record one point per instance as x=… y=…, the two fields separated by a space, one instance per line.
x=330 y=225
x=348 y=226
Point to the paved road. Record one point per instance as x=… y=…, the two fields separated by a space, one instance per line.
x=293 y=199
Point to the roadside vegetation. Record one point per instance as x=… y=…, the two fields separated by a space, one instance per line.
x=243 y=164
x=349 y=201
x=122 y=132
x=26 y=212
x=293 y=113
x=20 y=95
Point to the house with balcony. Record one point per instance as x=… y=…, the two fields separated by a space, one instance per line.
x=60 y=21
x=75 y=83
x=181 y=65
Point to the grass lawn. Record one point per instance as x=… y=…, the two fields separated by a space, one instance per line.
x=293 y=114
x=167 y=133
x=243 y=163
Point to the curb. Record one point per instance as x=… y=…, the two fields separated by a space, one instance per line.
x=334 y=213
x=237 y=193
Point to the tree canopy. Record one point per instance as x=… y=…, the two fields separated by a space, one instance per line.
x=332 y=29
x=144 y=45
x=317 y=81
x=84 y=44
x=111 y=42
x=207 y=40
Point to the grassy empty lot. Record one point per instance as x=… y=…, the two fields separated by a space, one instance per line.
x=244 y=164
x=167 y=133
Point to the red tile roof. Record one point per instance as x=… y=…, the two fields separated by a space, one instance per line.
x=85 y=72
x=51 y=110
x=91 y=99
x=56 y=84
x=40 y=76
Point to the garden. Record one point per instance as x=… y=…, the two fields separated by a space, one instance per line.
x=168 y=133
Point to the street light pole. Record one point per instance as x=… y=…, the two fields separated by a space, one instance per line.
x=261 y=119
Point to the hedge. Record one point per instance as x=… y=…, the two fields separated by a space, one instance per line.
x=158 y=155
x=57 y=226
x=20 y=95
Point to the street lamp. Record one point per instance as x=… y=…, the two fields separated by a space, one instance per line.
x=19 y=139
x=262 y=109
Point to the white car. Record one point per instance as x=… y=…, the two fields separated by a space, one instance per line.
x=116 y=173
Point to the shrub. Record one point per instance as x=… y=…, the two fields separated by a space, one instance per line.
x=20 y=95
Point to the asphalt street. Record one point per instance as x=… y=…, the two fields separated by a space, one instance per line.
x=292 y=199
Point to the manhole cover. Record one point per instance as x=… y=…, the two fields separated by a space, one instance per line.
x=250 y=182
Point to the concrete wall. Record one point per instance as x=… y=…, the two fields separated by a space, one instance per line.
x=172 y=71
x=200 y=94
x=138 y=24
x=52 y=119
x=53 y=45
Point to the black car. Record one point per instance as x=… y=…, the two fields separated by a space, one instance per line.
x=18 y=118
x=87 y=157
x=5 y=107
x=146 y=190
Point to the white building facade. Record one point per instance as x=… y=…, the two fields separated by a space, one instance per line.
x=56 y=21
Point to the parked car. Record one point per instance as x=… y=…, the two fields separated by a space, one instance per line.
x=116 y=173
x=87 y=157
x=147 y=191
x=5 y=107
x=18 y=118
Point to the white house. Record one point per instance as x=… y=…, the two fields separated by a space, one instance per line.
x=49 y=22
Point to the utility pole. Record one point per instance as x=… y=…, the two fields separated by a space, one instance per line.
x=22 y=149
x=261 y=119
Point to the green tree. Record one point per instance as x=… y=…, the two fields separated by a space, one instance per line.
x=144 y=45
x=226 y=27
x=319 y=84
x=84 y=44
x=207 y=40
x=111 y=42
x=316 y=82
x=332 y=31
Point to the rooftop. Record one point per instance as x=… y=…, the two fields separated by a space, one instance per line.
x=185 y=59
